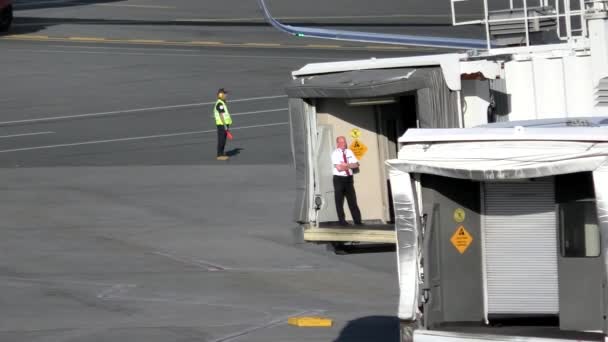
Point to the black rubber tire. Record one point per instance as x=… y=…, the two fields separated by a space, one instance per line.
x=6 y=19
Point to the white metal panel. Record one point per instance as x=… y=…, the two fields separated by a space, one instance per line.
x=323 y=174
x=549 y=87
x=598 y=36
x=520 y=85
x=476 y=101
x=456 y=336
x=521 y=247
x=407 y=227
x=579 y=85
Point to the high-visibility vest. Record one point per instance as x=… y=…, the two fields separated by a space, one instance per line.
x=218 y=118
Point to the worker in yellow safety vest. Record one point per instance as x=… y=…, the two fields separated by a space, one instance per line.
x=222 y=121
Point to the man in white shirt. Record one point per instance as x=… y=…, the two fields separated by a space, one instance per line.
x=344 y=162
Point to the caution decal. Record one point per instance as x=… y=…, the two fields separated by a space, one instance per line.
x=461 y=239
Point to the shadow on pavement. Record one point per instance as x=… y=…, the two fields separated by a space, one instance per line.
x=234 y=152
x=40 y=4
x=372 y=328
x=25 y=25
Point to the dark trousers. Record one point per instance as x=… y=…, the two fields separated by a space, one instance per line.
x=221 y=140
x=345 y=187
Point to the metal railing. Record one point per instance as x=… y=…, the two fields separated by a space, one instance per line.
x=568 y=13
x=596 y=5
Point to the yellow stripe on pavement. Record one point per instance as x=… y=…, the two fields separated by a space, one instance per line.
x=310 y=322
x=199 y=42
x=323 y=46
x=208 y=43
x=88 y=39
x=146 y=41
x=262 y=44
x=25 y=36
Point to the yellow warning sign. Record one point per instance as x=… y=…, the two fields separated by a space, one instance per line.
x=459 y=215
x=355 y=133
x=358 y=148
x=461 y=239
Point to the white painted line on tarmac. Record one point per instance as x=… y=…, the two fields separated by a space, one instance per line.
x=94 y=142
x=260 y=111
x=24 y=134
x=212 y=267
x=209 y=266
x=135 y=110
x=59 y=281
x=115 y=291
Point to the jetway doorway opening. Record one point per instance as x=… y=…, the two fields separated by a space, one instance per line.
x=374 y=125
x=393 y=121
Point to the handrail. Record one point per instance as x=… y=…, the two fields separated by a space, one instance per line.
x=568 y=14
x=371 y=37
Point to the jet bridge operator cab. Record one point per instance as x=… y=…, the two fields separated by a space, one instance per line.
x=502 y=232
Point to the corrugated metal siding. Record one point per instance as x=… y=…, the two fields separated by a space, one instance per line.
x=521 y=247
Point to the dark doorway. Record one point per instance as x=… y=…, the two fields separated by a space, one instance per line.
x=393 y=121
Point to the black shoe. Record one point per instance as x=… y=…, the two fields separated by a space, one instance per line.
x=344 y=224
x=359 y=224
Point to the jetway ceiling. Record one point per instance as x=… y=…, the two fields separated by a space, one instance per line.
x=361 y=83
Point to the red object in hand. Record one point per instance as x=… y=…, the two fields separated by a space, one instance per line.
x=229 y=135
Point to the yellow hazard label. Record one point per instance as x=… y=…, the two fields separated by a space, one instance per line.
x=358 y=148
x=355 y=133
x=459 y=215
x=461 y=239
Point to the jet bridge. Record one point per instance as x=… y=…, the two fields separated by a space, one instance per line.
x=371 y=107
x=502 y=233
x=557 y=70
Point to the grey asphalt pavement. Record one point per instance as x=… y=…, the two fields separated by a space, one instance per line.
x=237 y=20
x=118 y=224
x=127 y=105
x=162 y=253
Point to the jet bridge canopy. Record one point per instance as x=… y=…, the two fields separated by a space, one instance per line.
x=503 y=153
x=437 y=104
x=332 y=102
x=360 y=83
x=492 y=161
